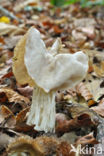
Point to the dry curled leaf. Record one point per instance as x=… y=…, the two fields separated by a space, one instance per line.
x=83 y=90
x=95 y=86
x=87 y=139
x=96 y=61
x=21 y=116
x=7 y=118
x=99 y=69
x=12 y=96
x=100 y=108
x=21 y=125
x=83 y=120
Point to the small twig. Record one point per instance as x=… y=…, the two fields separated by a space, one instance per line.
x=9 y=14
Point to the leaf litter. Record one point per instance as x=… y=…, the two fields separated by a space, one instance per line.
x=79 y=111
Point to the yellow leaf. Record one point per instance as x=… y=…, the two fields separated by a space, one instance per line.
x=4 y=19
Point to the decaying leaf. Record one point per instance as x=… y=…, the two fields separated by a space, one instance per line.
x=100 y=108
x=21 y=6
x=21 y=116
x=21 y=125
x=83 y=90
x=96 y=60
x=10 y=29
x=87 y=139
x=7 y=118
x=12 y=41
x=99 y=68
x=4 y=72
x=80 y=121
x=81 y=117
x=76 y=110
x=84 y=27
x=12 y=96
x=84 y=22
x=94 y=80
x=76 y=123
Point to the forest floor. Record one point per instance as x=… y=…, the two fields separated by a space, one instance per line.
x=79 y=111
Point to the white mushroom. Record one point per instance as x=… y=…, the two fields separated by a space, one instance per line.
x=50 y=71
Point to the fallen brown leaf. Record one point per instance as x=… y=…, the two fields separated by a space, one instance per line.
x=7 y=118
x=64 y=125
x=83 y=90
x=13 y=96
x=21 y=125
x=87 y=139
x=100 y=108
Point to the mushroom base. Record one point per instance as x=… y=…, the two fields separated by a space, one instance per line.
x=42 y=112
